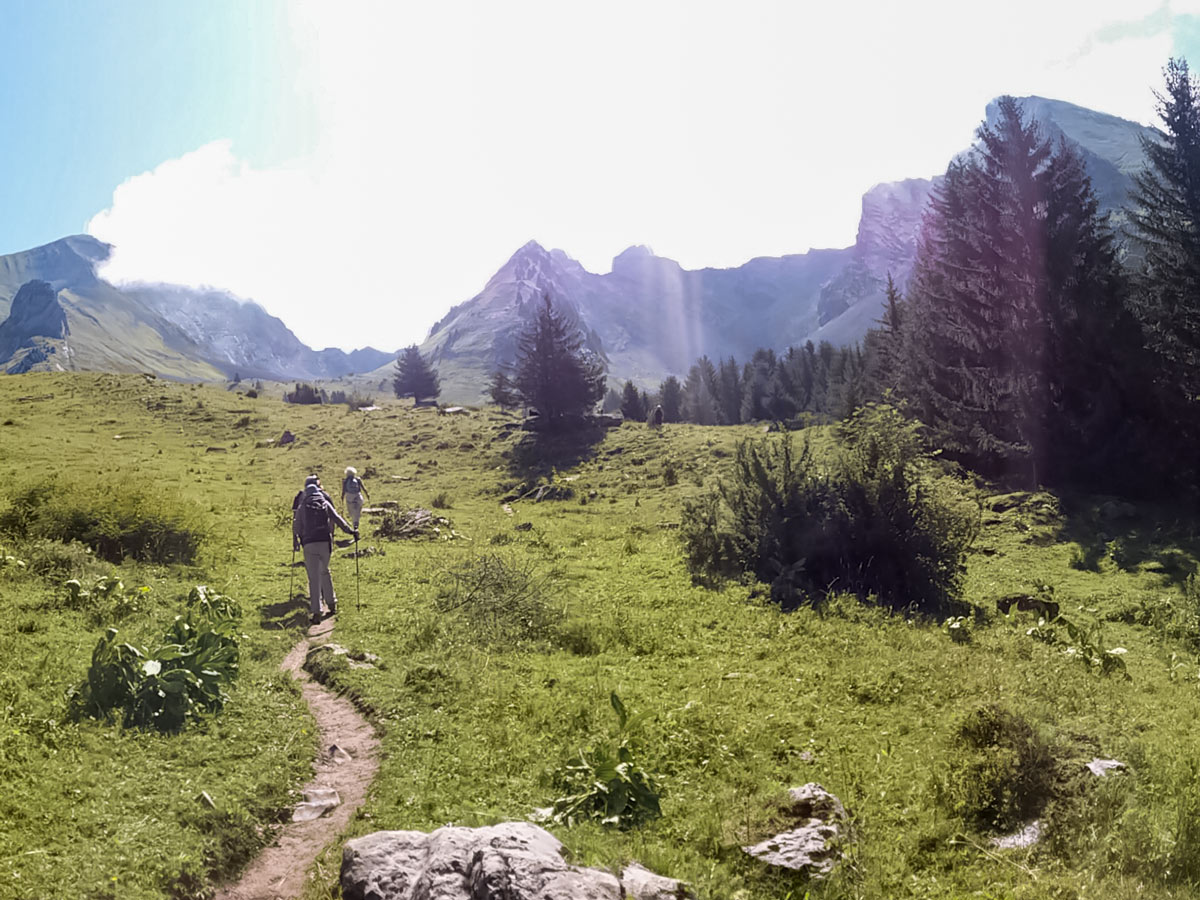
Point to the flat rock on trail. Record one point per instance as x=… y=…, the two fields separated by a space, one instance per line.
x=279 y=872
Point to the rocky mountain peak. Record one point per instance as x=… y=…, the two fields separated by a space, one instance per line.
x=35 y=314
x=35 y=310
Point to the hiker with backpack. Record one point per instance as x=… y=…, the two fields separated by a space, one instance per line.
x=313 y=518
x=353 y=494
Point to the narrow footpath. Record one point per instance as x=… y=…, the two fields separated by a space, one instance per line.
x=280 y=871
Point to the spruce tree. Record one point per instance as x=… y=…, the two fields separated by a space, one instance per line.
x=554 y=374
x=414 y=377
x=502 y=391
x=699 y=401
x=1165 y=226
x=670 y=396
x=1014 y=291
x=632 y=407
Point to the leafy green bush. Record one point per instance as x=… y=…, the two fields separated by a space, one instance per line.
x=163 y=686
x=115 y=519
x=502 y=602
x=105 y=598
x=1001 y=772
x=606 y=784
x=879 y=520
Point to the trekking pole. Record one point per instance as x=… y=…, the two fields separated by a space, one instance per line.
x=292 y=574
x=357 y=588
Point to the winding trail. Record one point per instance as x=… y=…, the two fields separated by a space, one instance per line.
x=279 y=872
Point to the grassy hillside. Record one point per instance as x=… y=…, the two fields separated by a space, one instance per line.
x=501 y=638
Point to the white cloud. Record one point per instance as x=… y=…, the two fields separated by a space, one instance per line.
x=451 y=133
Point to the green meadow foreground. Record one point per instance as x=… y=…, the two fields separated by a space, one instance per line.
x=930 y=735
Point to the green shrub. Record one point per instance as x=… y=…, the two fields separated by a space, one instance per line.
x=105 y=598
x=880 y=520
x=1000 y=773
x=115 y=519
x=502 y=603
x=161 y=687
x=606 y=784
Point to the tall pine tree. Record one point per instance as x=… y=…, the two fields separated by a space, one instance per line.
x=554 y=374
x=414 y=377
x=1013 y=298
x=1165 y=226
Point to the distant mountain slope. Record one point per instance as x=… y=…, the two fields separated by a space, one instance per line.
x=173 y=331
x=649 y=317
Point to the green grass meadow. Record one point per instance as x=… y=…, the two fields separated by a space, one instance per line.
x=481 y=702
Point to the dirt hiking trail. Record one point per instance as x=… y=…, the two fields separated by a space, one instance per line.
x=280 y=871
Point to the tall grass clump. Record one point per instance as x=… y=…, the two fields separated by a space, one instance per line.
x=1001 y=771
x=878 y=518
x=500 y=602
x=116 y=519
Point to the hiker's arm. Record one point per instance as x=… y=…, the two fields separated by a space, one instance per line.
x=341 y=523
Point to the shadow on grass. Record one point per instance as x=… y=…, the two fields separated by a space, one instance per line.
x=286 y=614
x=1154 y=537
x=537 y=453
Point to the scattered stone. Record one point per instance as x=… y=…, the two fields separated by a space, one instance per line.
x=317 y=802
x=1101 y=767
x=216 y=450
x=286 y=438
x=455 y=411
x=338 y=755
x=262 y=445
x=639 y=883
x=523 y=526
x=361 y=660
x=812 y=846
x=1019 y=840
x=513 y=860
x=806 y=757
x=507 y=509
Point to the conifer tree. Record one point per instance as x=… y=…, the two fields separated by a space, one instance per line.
x=670 y=397
x=632 y=407
x=554 y=373
x=502 y=391
x=1014 y=288
x=699 y=402
x=414 y=377
x=1165 y=226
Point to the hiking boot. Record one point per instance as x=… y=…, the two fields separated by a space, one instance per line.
x=333 y=608
x=316 y=619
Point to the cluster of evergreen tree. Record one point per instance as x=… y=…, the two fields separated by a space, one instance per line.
x=1034 y=346
x=820 y=382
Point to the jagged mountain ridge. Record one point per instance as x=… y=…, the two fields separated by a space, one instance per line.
x=170 y=330
x=653 y=318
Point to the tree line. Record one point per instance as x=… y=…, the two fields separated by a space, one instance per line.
x=1036 y=344
x=1032 y=344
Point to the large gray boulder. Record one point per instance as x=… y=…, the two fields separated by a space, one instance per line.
x=812 y=846
x=509 y=861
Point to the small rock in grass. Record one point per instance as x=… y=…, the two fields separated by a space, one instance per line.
x=1019 y=840
x=1101 y=767
x=317 y=802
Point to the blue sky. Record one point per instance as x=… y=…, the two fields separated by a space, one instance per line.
x=95 y=92
x=359 y=166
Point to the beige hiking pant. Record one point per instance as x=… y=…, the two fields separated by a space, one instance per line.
x=320 y=582
x=354 y=506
